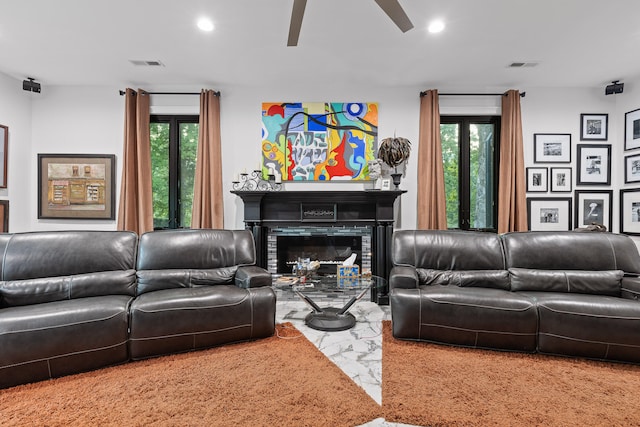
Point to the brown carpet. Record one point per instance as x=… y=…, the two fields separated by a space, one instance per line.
x=271 y=382
x=437 y=385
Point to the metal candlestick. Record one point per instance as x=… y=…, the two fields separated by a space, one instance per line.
x=255 y=182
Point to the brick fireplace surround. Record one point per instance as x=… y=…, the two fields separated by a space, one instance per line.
x=265 y=211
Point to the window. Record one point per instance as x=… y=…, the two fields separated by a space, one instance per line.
x=470 y=150
x=174 y=145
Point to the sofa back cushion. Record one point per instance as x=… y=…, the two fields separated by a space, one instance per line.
x=58 y=265
x=605 y=282
x=571 y=251
x=497 y=279
x=447 y=250
x=189 y=258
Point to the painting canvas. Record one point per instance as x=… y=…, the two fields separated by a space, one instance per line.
x=75 y=186
x=318 y=141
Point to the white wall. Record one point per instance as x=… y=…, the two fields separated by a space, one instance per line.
x=15 y=112
x=90 y=120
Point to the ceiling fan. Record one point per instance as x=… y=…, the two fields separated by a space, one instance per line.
x=391 y=7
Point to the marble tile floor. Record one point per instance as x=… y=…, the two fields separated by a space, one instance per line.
x=358 y=351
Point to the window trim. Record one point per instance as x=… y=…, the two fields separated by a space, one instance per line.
x=174 y=121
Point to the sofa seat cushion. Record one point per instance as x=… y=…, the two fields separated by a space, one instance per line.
x=593 y=326
x=606 y=282
x=42 y=341
x=473 y=317
x=498 y=279
x=176 y=320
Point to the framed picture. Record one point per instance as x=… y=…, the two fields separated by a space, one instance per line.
x=593 y=207
x=4 y=146
x=537 y=180
x=632 y=169
x=4 y=216
x=632 y=130
x=552 y=147
x=561 y=180
x=385 y=184
x=594 y=164
x=76 y=186
x=594 y=127
x=549 y=214
x=630 y=212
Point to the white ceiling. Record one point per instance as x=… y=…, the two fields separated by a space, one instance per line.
x=576 y=43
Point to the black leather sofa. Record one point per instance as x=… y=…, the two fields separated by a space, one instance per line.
x=72 y=301
x=562 y=293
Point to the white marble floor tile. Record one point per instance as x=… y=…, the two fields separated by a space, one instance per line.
x=358 y=351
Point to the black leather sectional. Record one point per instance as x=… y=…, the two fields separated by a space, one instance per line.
x=72 y=301
x=563 y=293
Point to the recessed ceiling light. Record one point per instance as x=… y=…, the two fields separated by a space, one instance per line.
x=435 y=26
x=205 y=24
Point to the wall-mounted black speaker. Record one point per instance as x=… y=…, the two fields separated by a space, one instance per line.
x=31 y=85
x=614 y=88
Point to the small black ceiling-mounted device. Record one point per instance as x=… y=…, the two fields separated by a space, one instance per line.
x=614 y=88
x=31 y=85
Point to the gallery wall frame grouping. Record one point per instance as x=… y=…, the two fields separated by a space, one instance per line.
x=76 y=186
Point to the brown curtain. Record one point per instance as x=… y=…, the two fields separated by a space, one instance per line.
x=135 y=212
x=512 y=199
x=432 y=211
x=208 y=210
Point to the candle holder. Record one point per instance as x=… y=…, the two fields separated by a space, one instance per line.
x=255 y=182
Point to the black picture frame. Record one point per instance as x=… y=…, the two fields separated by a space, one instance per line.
x=4 y=147
x=593 y=206
x=630 y=211
x=632 y=169
x=76 y=186
x=537 y=180
x=632 y=130
x=561 y=180
x=552 y=148
x=594 y=164
x=549 y=213
x=594 y=127
x=4 y=216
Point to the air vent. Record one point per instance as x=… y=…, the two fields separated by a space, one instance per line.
x=144 y=63
x=522 y=64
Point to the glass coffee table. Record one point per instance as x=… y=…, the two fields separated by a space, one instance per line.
x=310 y=288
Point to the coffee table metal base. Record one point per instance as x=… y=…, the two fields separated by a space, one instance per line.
x=330 y=319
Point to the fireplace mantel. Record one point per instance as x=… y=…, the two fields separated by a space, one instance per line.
x=264 y=209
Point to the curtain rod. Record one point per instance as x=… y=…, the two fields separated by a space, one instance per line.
x=122 y=92
x=522 y=94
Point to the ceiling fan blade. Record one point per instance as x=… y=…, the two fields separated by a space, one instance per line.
x=396 y=13
x=297 y=13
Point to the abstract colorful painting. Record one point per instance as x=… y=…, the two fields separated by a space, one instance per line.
x=318 y=141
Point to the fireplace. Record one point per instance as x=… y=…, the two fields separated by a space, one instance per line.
x=323 y=225
x=330 y=246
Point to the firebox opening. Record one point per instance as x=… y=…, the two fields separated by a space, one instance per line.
x=330 y=251
x=330 y=245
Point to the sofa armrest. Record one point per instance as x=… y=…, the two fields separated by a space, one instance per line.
x=630 y=288
x=252 y=276
x=403 y=276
